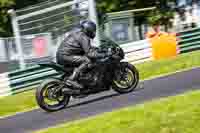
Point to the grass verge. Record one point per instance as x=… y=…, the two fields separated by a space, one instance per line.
x=17 y=103
x=178 y=114
x=26 y=101
x=166 y=66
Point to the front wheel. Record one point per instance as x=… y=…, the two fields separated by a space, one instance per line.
x=126 y=78
x=49 y=97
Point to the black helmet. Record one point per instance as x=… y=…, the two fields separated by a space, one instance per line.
x=89 y=28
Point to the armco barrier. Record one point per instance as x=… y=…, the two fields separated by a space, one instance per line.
x=189 y=40
x=136 y=52
x=23 y=80
x=19 y=81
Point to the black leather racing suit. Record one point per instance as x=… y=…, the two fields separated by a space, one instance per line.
x=76 y=50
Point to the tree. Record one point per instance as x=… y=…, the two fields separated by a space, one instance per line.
x=5 y=28
x=103 y=6
x=161 y=15
x=5 y=5
x=24 y=3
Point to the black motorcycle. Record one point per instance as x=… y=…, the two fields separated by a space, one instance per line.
x=104 y=74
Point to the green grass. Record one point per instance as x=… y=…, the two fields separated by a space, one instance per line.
x=180 y=114
x=17 y=103
x=165 y=66
x=25 y=101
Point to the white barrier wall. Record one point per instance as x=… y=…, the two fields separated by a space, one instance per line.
x=138 y=52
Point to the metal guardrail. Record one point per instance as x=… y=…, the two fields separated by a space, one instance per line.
x=23 y=80
x=136 y=52
x=189 y=40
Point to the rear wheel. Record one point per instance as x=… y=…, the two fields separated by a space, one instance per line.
x=126 y=78
x=49 y=97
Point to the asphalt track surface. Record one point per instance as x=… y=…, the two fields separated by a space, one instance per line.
x=104 y=102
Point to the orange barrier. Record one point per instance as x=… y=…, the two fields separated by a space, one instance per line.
x=164 y=45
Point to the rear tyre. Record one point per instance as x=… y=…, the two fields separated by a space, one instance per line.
x=49 y=98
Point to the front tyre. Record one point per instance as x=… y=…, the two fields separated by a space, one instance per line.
x=49 y=98
x=126 y=78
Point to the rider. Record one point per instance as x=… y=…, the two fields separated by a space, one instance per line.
x=76 y=50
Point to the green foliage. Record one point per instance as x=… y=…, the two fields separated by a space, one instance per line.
x=104 y=6
x=160 y=18
x=24 y=3
x=118 y=5
x=162 y=15
x=5 y=29
x=5 y=5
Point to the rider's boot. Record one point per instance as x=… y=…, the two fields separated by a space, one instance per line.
x=72 y=80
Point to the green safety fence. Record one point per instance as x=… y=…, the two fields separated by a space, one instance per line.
x=189 y=40
x=23 y=80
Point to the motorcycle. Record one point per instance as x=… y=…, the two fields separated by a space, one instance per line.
x=105 y=74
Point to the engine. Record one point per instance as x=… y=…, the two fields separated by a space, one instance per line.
x=92 y=78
